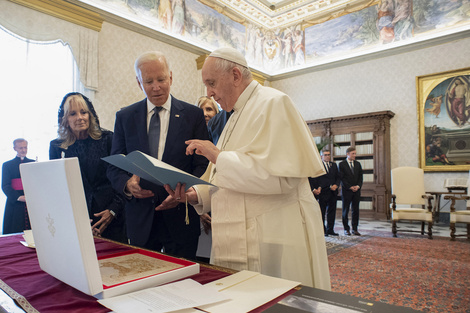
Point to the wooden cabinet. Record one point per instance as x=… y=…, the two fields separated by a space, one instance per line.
x=370 y=134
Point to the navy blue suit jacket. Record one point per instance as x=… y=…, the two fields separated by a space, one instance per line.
x=130 y=134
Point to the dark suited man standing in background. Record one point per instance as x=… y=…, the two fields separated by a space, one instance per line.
x=15 y=218
x=159 y=126
x=325 y=190
x=351 y=183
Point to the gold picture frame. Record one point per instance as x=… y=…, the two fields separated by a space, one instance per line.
x=444 y=121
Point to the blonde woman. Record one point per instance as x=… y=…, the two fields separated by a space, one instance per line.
x=209 y=106
x=80 y=135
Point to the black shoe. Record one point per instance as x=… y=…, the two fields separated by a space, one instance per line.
x=347 y=233
x=356 y=233
x=332 y=233
x=326 y=235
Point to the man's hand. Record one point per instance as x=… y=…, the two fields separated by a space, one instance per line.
x=168 y=203
x=333 y=187
x=206 y=221
x=203 y=147
x=354 y=188
x=317 y=191
x=133 y=186
x=180 y=193
x=99 y=227
x=21 y=199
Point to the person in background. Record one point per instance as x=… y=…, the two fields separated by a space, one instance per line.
x=208 y=105
x=325 y=190
x=264 y=216
x=216 y=125
x=211 y=109
x=80 y=135
x=15 y=218
x=159 y=126
x=351 y=175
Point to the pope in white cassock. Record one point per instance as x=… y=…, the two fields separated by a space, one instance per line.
x=264 y=216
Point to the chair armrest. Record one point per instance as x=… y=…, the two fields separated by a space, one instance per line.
x=455 y=198
x=429 y=198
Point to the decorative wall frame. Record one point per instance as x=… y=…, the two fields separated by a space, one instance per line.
x=444 y=120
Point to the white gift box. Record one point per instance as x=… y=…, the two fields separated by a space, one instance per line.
x=64 y=241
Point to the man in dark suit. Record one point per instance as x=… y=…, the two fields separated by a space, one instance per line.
x=15 y=219
x=325 y=189
x=350 y=172
x=159 y=126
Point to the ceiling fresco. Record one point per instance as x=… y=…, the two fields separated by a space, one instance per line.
x=281 y=36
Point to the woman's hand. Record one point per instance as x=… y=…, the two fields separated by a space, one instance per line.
x=105 y=219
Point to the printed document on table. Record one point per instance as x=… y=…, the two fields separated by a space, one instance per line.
x=180 y=295
x=153 y=170
x=247 y=291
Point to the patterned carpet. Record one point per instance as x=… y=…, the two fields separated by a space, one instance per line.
x=411 y=271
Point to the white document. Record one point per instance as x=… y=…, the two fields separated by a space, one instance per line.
x=247 y=291
x=153 y=170
x=180 y=295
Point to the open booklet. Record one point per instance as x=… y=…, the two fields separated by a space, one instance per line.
x=153 y=170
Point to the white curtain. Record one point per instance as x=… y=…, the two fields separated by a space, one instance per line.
x=42 y=27
x=41 y=59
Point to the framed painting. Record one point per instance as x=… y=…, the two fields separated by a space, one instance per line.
x=444 y=121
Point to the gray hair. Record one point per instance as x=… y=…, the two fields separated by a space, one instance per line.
x=18 y=140
x=150 y=56
x=226 y=66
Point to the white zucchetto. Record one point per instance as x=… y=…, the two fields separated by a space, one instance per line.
x=230 y=54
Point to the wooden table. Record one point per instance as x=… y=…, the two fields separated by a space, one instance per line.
x=437 y=201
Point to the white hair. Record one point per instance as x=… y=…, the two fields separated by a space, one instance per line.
x=150 y=56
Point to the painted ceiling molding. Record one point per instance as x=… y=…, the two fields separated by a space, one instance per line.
x=292 y=12
x=334 y=33
x=66 y=11
x=231 y=14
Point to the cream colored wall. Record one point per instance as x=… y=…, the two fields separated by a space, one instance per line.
x=118 y=49
x=388 y=83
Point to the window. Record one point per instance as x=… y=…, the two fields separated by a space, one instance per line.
x=34 y=77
